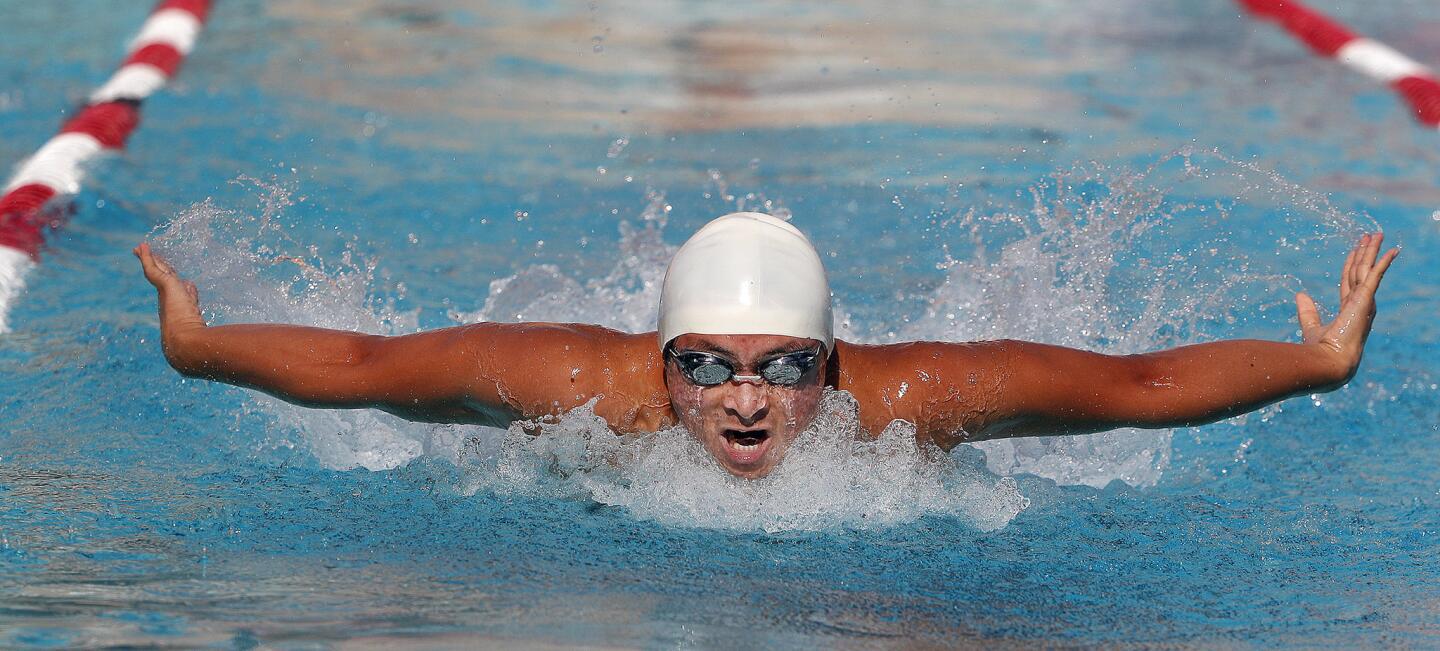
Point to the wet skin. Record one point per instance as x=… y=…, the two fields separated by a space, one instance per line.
x=747 y=425
x=496 y=374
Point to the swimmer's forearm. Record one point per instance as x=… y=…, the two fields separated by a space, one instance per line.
x=303 y=365
x=420 y=377
x=1204 y=383
x=1053 y=390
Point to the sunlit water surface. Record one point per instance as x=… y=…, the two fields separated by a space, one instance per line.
x=1113 y=176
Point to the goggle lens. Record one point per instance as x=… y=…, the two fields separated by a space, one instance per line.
x=785 y=374
x=707 y=370
x=710 y=373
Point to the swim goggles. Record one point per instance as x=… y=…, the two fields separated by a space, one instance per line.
x=709 y=370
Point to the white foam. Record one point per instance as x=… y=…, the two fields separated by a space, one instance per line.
x=832 y=476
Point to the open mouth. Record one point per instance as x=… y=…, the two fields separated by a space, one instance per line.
x=746 y=446
x=746 y=438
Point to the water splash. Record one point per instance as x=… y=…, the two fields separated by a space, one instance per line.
x=249 y=270
x=626 y=298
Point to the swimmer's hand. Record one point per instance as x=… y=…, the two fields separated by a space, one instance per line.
x=179 y=300
x=1342 y=341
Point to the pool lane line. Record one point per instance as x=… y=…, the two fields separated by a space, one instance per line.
x=104 y=123
x=1414 y=82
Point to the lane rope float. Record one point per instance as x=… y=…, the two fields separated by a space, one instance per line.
x=104 y=123
x=1414 y=82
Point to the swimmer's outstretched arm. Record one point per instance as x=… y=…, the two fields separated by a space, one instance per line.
x=485 y=373
x=1030 y=389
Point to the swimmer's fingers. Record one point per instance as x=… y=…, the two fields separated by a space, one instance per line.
x=1352 y=269
x=1366 y=260
x=179 y=298
x=1376 y=272
x=157 y=270
x=1309 y=315
x=1347 y=273
x=147 y=263
x=1362 y=297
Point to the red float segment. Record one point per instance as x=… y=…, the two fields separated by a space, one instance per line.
x=110 y=122
x=200 y=8
x=1411 y=80
x=1317 y=30
x=21 y=226
x=161 y=55
x=1423 y=95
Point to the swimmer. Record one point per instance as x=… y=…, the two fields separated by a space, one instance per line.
x=744 y=351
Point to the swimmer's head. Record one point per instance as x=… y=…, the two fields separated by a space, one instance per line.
x=746 y=326
x=746 y=273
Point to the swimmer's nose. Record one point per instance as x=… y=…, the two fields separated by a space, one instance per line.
x=748 y=401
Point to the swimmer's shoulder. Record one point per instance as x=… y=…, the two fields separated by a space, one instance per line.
x=546 y=366
x=864 y=364
x=569 y=365
x=578 y=341
x=921 y=382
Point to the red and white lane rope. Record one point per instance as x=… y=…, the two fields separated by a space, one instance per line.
x=104 y=123
x=1417 y=84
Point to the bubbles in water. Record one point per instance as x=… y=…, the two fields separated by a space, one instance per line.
x=617 y=147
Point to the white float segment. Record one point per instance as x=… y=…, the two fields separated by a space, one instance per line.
x=175 y=27
x=135 y=81
x=14 y=265
x=1379 y=60
x=57 y=164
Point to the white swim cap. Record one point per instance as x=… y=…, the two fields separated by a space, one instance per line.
x=746 y=273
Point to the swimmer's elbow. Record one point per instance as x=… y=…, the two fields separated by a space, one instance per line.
x=182 y=352
x=1152 y=394
x=1125 y=391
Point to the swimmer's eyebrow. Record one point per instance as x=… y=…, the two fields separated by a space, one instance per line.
x=716 y=348
x=784 y=349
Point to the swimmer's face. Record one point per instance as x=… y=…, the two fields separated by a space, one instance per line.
x=746 y=425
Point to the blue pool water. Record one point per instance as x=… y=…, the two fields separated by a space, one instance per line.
x=1119 y=176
